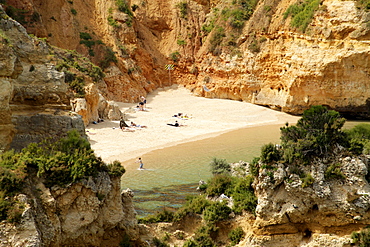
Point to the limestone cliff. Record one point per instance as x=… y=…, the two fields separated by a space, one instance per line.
x=36 y=102
x=30 y=89
x=324 y=212
x=264 y=60
x=92 y=212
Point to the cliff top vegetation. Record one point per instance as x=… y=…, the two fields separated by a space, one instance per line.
x=60 y=163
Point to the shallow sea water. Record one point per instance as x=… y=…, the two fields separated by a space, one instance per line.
x=172 y=173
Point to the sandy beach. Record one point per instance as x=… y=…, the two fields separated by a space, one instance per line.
x=207 y=118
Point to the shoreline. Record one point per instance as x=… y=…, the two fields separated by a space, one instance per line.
x=209 y=118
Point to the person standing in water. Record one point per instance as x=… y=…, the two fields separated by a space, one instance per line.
x=141 y=163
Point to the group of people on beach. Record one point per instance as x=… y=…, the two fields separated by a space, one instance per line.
x=132 y=127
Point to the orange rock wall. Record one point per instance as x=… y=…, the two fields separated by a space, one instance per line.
x=291 y=71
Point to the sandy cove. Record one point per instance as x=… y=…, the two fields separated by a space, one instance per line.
x=209 y=118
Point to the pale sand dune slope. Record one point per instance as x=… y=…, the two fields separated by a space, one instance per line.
x=210 y=117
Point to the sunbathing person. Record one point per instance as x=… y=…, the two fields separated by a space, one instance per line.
x=176 y=124
x=128 y=129
x=137 y=125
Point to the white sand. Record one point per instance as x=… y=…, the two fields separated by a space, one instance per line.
x=210 y=117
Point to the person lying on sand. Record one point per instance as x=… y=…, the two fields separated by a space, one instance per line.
x=137 y=125
x=181 y=116
x=128 y=129
x=176 y=124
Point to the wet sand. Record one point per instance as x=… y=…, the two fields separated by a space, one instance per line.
x=207 y=118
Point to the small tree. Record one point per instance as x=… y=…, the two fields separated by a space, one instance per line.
x=317 y=133
x=236 y=235
x=270 y=153
x=219 y=166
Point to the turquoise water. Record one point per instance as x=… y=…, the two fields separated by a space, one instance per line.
x=173 y=173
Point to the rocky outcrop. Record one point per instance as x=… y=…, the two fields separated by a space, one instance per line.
x=92 y=212
x=34 y=97
x=326 y=210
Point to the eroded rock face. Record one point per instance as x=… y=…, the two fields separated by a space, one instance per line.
x=336 y=206
x=292 y=71
x=92 y=212
x=34 y=98
x=287 y=69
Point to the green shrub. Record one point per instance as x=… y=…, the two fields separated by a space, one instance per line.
x=96 y=73
x=207 y=28
x=190 y=243
x=181 y=42
x=12 y=172
x=163 y=216
x=356 y=146
x=74 y=12
x=364 y=4
x=366 y=149
x=219 y=166
x=88 y=43
x=124 y=7
x=219 y=184
x=359 y=138
x=216 y=38
x=270 y=153
x=109 y=57
x=112 y=22
x=183 y=7
x=316 y=134
x=10 y=209
x=159 y=243
x=134 y=7
x=85 y=36
x=65 y=161
x=201 y=239
x=243 y=195
x=197 y=204
x=333 y=172
x=116 y=169
x=302 y=13
x=175 y=56
x=253 y=167
x=5 y=206
x=236 y=235
x=62 y=168
x=217 y=211
x=254 y=46
x=307 y=180
x=362 y=238
x=78 y=86
x=238 y=18
x=193 y=205
x=14 y=212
